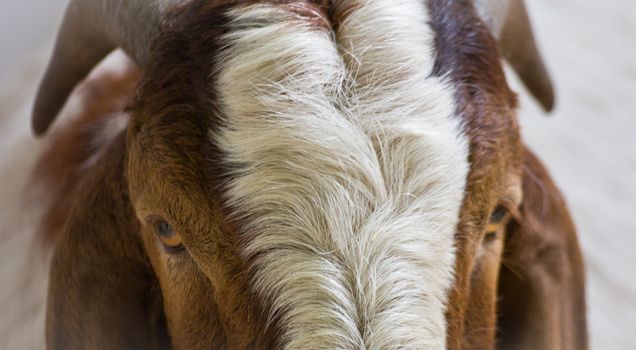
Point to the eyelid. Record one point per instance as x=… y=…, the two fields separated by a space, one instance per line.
x=512 y=207
x=152 y=219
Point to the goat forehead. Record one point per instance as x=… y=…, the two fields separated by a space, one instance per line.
x=349 y=167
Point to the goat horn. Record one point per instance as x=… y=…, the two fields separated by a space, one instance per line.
x=91 y=29
x=509 y=23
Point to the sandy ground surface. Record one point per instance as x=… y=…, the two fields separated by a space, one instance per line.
x=589 y=144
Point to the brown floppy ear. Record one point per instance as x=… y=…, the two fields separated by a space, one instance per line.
x=102 y=292
x=509 y=23
x=542 y=285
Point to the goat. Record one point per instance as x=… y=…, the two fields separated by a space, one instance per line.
x=307 y=175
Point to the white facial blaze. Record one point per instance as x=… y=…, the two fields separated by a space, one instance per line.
x=352 y=172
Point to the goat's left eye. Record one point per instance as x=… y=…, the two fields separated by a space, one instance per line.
x=498 y=214
x=170 y=240
x=495 y=221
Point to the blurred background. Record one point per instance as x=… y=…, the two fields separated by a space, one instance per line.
x=25 y=25
x=588 y=143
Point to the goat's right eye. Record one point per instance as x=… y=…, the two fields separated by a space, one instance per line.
x=170 y=240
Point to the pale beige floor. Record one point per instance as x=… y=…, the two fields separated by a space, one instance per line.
x=589 y=143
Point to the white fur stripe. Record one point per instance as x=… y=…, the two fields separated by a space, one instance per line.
x=352 y=171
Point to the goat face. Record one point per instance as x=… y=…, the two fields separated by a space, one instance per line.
x=304 y=175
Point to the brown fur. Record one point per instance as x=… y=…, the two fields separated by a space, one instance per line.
x=112 y=283
x=101 y=293
x=468 y=53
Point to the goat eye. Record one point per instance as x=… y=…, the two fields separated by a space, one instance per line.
x=497 y=217
x=490 y=236
x=498 y=214
x=170 y=240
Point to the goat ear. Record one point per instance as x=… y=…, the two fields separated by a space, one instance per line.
x=509 y=22
x=101 y=286
x=542 y=287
